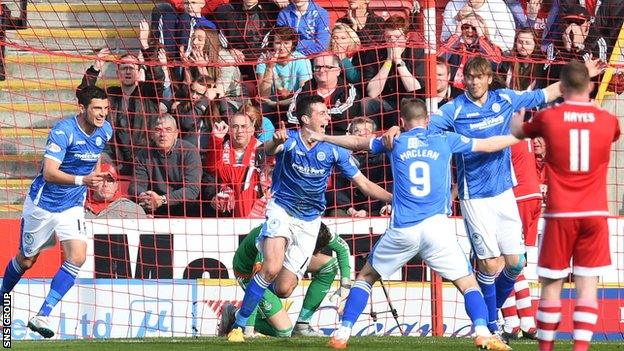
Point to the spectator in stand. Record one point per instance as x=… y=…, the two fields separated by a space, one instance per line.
x=209 y=58
x=368 y=26
x=107 y=201
x=246 y=26
x=234 y=159
x=8 y=22
x=470 y=40
x=348 y=200
x=391 y=73
x=167 y=176
x=444 y=91
x=525 y=67
x=174 y=29
x=133 y=104
x=496 y=17
x=280 y=73
x=345 y=43
x=341 y=98
x=311 y=22
x=198 y=111
x=606 y=27
x=262 y=125
x=206 y=11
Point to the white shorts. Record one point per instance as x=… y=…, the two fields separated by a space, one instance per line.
x=39 y=226
x=300 y=236
x=433 y=240
x=493 y=225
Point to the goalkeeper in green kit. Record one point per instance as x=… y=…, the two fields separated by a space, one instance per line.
x=270 y=318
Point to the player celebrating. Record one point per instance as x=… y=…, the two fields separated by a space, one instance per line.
x=293 y=214
x=55 y=202
x=419 y=224
x=580 y=135
x=273 y=320
x=485 y=180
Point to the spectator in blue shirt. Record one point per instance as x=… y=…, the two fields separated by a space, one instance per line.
x=311 y=21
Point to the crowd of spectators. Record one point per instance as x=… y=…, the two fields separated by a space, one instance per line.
x=213 y=81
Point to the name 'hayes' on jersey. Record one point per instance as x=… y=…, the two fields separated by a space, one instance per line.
x=482 y=175
x=78 y=153
x=301 y=174
x=420 y=161
x=580 y=137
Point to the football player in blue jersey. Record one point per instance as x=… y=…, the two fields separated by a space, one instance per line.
x=55 y=202
x=293 y=214
x=485 y=181
x=419 y=225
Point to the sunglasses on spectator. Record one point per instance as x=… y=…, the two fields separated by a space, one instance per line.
x=320 y=67
x=467 y=26
x=577 y=21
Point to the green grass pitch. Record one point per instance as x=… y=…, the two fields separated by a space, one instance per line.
x=372 y=343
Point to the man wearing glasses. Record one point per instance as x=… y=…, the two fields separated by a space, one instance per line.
x=340 y=97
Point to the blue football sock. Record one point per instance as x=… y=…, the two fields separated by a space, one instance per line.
x=486 y=282
x=61 y=283
x=475 y=307
x=253 y=294
x=504 y=285
x=12 y=274
x=357 y=300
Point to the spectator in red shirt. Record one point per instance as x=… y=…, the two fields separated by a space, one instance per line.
x=109 y=201
x=233 y=158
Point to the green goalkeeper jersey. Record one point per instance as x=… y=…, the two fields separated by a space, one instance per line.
x=247 y=254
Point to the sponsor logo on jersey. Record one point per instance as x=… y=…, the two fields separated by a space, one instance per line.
x=472 y=114
x=52 y=147
x=320 y=156
x=308 y=170
x=496 y=107
x=414 y=143
x=487 y=123
x=88 y=156
x=80 y=142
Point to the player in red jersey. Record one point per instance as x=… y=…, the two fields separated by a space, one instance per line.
x=579 y=136
x=518 y=310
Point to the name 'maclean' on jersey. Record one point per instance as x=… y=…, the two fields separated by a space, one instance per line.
x=420 y=161
x=78 y=153
x=301 y=174
x=482 y=175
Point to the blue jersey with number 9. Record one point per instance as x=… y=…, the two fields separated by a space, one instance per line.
x=420 y=161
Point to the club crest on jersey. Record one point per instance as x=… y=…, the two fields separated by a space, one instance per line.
x=98 y=141
x=320 y=156
x=496 y=107
x=52 y=147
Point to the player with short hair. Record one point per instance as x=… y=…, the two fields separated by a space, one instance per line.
x=485 y=181
x=55 y=201
x=293 y=214
x=419 y=224
x=580 y=137
x=273 y=319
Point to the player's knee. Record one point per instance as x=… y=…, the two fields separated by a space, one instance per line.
x=76 y=258
x=26 y=263
x=269 y=272
x=283 y=290
x=517 y=267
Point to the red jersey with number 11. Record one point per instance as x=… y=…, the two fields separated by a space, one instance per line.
x=579 y=137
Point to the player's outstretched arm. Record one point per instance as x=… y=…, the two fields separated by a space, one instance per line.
x=371 y=189
x=273 y=146
x=351 y=142
x=495 y=143
x=594 y=66
x=53 y=174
